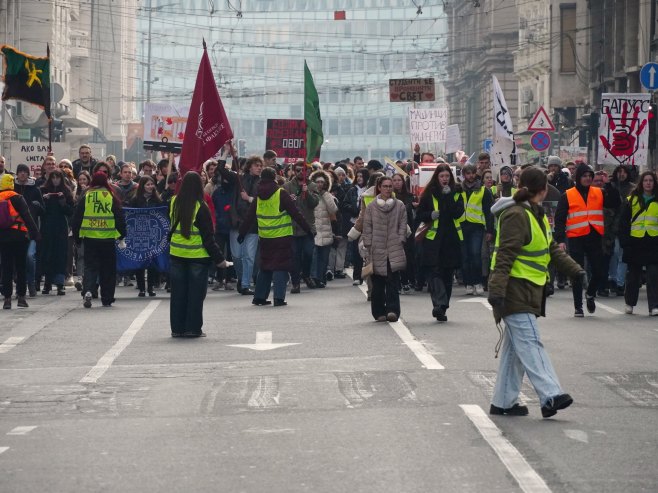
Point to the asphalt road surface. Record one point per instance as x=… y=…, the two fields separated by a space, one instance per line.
x=317 y=397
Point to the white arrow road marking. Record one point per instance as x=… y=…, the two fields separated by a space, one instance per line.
x=108 y=358
x=578 y=435
x=477 y=300
x=21 y=430
x=264 y=343
x=608 y=309
x=3 y=449
x=10 y=344
x=525 y=475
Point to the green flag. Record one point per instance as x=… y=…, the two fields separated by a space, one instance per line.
x=314 y=136
x=26 y=78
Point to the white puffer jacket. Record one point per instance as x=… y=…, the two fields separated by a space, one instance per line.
x=326 y=209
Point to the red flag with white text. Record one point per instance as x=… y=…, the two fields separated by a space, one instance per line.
x=208 y=128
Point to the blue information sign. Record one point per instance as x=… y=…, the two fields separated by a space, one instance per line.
x=400 y=154
x=649 y=76
x=487 y=144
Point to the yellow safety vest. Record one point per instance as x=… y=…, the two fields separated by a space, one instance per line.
x=272 y=223
x=646 y=222
x=367 y=199
x=98 y=220
x=431 y=233
x=180 y=246
x=473 y=207
x=532 y=263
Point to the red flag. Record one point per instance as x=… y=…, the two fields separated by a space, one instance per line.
x=207 y=127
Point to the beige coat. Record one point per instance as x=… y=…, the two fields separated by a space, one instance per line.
x=384 y=234
x=325 y=210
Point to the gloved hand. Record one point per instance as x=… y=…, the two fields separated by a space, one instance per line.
x=224 y=264
x=122 y=244
x=435 y=215
x=446 y=190
x=240 y=239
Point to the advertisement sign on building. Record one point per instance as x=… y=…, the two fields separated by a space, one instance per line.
x=287 y=138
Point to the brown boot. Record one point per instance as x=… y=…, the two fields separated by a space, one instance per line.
x=7 y=305
x=22 y=303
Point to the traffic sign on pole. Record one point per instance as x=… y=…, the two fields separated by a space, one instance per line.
x=541 y=122
x=649 y=76
x=400 y=154
x=540 y=141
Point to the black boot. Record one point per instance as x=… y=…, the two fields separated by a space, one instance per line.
x=60 y=290
x=47 y=288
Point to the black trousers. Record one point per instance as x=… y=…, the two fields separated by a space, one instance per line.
x=357 y=261
x=589 y=246
x=385 y=297
x=440 y=286
x=100 y=266
x=634 y=283
x=143 y=281
x=13 y=255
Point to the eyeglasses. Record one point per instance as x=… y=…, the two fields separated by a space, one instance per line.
x=386 y=186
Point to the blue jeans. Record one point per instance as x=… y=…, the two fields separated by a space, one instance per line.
x=321 y=262
x=617 y=268
x=303 y=248
x=189 y=283
x=264 y=281
x=472 y=254
x=31 y=263
x=523 y=352
x=244 y=256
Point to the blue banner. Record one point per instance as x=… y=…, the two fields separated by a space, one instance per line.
x=147 y=241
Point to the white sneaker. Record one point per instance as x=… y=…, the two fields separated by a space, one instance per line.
x=629 y=310
x=479 y=290
x=653 y=312
x=470 y=289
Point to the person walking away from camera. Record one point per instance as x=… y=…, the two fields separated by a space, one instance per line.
x=638 y=234
x=305 y=194
x=441 y=206
x=621 y=181
x=192 y=248
x=519 y=272
x=244 y=254
x=15 y=238
x=146 y=195
x=579 y=224
x=338 y=254
x=98 y=221
x=476 y=227
x=384 y=234
x=273 y=211
x=59 y=206
x=26 y=186
x=223 y=195
x=325 y=215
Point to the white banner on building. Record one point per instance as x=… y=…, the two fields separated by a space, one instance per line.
x=428 y=125
x=503 y=133
x=165 y=122
x=624 y=129
x=453 y=139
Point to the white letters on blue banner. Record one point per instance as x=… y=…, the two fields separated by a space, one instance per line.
x=147 y=241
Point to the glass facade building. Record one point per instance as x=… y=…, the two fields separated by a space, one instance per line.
x=257 y=49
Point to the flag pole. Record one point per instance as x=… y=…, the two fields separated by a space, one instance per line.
x=50 y=104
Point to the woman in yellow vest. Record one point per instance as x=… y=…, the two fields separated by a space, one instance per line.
x=519 y=271
x=638 y=236
x=441 y=206
x=14 y=241
x=98 y=221
x=192 y=248
x=273 y=211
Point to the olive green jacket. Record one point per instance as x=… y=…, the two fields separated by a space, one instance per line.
x=520 y=295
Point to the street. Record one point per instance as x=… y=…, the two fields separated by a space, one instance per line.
x=317 y=397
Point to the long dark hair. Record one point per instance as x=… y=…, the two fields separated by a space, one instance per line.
x=139 y=194
x=189 y=195
x=49 y=186
x=531 y=182
x=433 y=184
x=638 y=191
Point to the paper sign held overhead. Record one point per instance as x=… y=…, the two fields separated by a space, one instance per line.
x=541 y=121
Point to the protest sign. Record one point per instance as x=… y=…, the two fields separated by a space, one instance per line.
x=147 y=241
x=453 y=139
x=33 y=154
x=164 y=125
x=624 y=129
x=411 y=89
x=428 y=126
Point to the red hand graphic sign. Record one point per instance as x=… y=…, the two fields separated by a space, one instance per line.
x=623 y=133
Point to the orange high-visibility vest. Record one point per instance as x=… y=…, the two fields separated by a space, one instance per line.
x=18 y=220
x=582 y=216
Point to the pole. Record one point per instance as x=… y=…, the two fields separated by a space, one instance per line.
x=50 y=103
x=148 y=56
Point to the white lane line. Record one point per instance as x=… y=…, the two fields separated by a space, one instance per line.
x=10 y=344
x=420 y=351
x=21 y=430
x=3 y=449
x=108 y=358
x=609 y=309
x=528 y=479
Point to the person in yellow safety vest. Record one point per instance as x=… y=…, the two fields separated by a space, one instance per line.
x=273 y=211
x=14 y=241
x=579 y=222
x=638 y=236
x=192 y=248
x=517 y=294
x=98 y=221
x=441 y=206
x=477 y=225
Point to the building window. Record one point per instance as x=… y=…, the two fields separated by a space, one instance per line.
x=296 y=111
x=568 y=38
x=345 y=126
x=384 y=128
x=372 y=126
x=358 y=126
